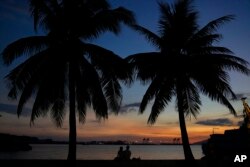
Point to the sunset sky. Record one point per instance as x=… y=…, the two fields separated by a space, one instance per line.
x=15 y=23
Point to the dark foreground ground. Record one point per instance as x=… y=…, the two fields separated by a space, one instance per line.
x=104 y=163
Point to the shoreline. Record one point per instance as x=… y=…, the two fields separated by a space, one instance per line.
x=112 y=163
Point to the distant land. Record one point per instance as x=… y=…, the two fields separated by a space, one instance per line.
x=9 y=138
x=200 y=142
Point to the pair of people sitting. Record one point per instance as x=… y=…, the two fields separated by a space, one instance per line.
x=123 y=154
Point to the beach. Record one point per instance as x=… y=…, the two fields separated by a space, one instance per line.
x=141 y=163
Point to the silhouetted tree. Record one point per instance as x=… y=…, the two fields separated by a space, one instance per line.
x=187 y=62
x=63 y=58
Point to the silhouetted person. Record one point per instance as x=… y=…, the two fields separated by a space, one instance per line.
x=127 y=153
x=120 y=154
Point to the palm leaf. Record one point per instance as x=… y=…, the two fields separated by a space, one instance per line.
x=27 y=46
x=40 y=10
x=113 y=93
x=150 y=93
x=109 y=64
x=162 y=98
x=57 y=112
x=98 y=100
x=213 y=26
x=52 y=79
x=149 y=35
x=22 y=74
x=83 y=97
x=191 y=99
x=146 y=65
x=108 y=20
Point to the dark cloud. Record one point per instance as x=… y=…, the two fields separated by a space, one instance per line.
x=13 y=9
x=132 y=107
x=16 y=6
x=216 y=122
x=240 y=123
x=241 y=95
x=12 y=109
x=94 y=121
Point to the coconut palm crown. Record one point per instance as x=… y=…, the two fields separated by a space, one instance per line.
x=63 y=66
x=186 y=62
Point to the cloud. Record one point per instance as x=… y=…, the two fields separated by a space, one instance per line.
x=241 y=95
x=132 y=107
x=93 y=121
x=240 y=123
x=12 y=109
x=216 y=122
x=13 y=9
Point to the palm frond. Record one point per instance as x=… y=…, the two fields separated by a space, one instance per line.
x=26 y=94
x=98 y=100
x=113 y=93
x=39 y=9
x=82 y=100
x=162 y=98
x=219 y=97
x=147 y=65
x=213 y=26
x=206 y=50
x=217 y=90
x=166 y=19
x=24 y=46
x=153 y=38
x=214 y=77
x=150 y=93
x=109 y=64
x=109 y=20
x=19 y=77
x=40 y=107
x=226 y=62
x=57 y=112
x=177 y=22
x=96 y=5
x=83 y=97
x=191 y=99
x=52 y=80
x=204 y=41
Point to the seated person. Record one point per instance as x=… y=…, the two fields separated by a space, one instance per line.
x=127 y=153
x=120 y=154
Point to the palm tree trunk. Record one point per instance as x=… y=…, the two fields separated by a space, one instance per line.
x=184 y=135
x=72 y=115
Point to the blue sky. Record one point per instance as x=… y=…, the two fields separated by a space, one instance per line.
x=15 y=23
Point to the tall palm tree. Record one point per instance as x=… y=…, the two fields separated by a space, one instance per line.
x=186 y=63
x=63 y=58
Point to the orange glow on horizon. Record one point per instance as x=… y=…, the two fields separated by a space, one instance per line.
x=130 y=127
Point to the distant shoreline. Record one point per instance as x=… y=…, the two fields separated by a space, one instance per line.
x=111 y=163
x=34 y=140
x=80 y=143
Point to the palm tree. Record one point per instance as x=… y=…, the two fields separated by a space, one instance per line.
x=63 y=58
x=186 y=63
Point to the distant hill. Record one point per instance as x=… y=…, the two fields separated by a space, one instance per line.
x=200 y=142
x=11 y=143
x=27 y=139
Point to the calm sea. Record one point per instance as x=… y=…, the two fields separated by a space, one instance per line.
x=103 y=152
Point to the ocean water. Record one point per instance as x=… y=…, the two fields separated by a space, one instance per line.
x=103 y=152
